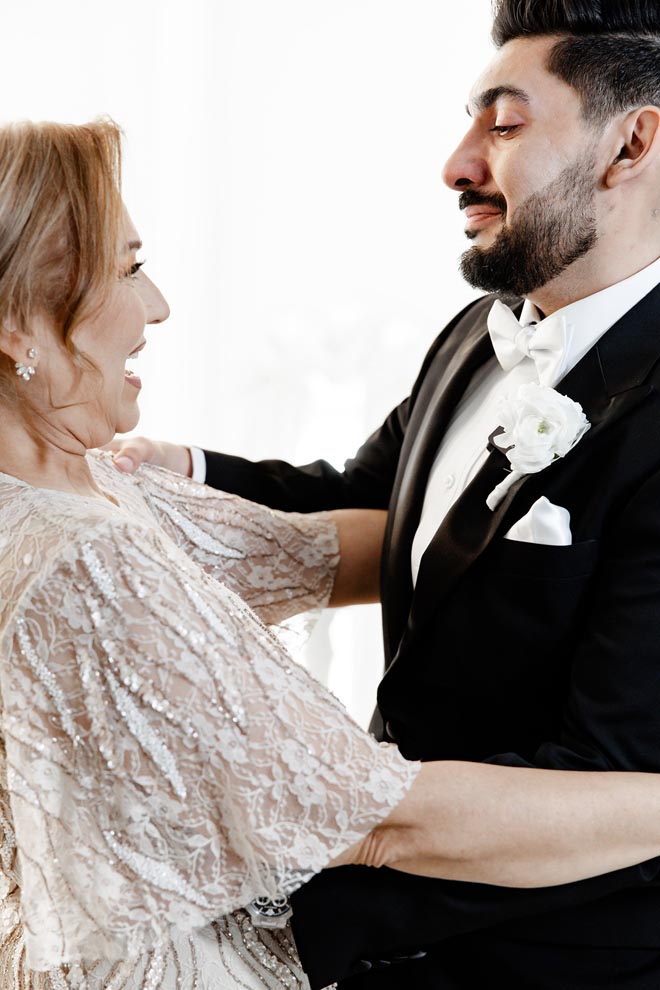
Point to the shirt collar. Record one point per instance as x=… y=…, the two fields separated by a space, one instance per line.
x=589 y=318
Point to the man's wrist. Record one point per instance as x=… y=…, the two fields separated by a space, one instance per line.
x=197 y=464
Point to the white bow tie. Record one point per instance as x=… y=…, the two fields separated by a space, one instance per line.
x=545 y=343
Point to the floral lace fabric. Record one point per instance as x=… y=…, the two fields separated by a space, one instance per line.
x=163 y=761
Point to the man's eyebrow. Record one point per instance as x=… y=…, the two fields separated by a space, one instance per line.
x=491 y=96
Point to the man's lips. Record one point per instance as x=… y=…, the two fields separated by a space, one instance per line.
x=478 y=216
x=480 y=210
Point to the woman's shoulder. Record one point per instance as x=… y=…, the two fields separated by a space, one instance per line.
x=53 y=517
x=124 y=490
x=45 y=532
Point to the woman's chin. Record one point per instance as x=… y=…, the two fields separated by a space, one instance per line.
x=127 y=420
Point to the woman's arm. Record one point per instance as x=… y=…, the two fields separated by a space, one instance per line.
x=515 y=826
x=360 y=532
x=186 y=763
x=280 y=563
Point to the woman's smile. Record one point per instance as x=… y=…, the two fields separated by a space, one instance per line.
x=133 y=379
x=129 y=374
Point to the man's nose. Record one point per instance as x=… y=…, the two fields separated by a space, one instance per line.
x=465 y=167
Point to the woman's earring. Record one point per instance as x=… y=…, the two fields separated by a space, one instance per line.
x=26 y=371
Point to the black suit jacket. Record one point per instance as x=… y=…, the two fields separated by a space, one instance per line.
x=505 y=652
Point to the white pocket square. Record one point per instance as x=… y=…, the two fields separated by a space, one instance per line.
x=545 y=523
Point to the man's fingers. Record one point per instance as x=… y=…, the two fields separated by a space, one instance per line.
x=129 y=454
x=113 y=445
x=125 y=463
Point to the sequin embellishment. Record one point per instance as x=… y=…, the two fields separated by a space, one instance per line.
x=162 y=875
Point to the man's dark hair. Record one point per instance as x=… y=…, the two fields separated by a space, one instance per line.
x=610 y=53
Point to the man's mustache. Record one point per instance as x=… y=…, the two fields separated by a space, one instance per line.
x=472 y=198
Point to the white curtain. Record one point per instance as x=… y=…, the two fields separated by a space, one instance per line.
x=283 y=165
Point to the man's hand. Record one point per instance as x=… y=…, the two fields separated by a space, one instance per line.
x=128 y=454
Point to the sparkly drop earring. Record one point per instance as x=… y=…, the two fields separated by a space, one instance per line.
x=26 y=371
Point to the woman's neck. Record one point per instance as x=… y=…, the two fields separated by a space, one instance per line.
x=44 y=456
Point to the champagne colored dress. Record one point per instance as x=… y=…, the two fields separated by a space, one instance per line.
x=163 y=761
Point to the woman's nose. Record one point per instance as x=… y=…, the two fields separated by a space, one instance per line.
x=156 y=304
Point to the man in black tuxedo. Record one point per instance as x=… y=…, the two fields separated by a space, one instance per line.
x=524 y=631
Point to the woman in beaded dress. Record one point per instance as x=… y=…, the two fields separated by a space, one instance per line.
x=163 y=762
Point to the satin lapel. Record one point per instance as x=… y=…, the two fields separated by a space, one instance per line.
x=445 y=393
x=607 y=382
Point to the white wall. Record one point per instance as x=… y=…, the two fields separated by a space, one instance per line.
x=283 y=165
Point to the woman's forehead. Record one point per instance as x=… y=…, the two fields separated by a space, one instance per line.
x=130 y=238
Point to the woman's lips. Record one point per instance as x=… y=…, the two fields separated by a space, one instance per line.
x=132 y=379
x=136 y=351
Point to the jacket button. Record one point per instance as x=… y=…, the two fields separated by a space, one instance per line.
x=363 y=966
x=390 y=729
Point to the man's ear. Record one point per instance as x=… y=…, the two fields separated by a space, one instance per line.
x=637 y=143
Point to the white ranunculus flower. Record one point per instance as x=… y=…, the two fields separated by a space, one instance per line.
x=540 y=425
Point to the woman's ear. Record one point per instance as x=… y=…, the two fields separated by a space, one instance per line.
x=10 y=344
x=636 y=141
x=18 y=347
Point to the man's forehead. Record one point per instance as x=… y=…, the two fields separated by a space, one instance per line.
x=485 y=98
x=518 y=71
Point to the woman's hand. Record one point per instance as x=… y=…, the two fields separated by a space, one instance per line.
x=129 y=453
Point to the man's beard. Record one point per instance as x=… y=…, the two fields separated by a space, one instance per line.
x=549 y=231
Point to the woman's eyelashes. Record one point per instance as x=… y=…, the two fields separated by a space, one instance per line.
x=133 y=270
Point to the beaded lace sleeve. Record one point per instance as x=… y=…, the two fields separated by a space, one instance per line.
x=280 y=563
x=166 y=762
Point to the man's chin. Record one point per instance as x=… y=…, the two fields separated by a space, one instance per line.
x=477 y=268
x=484 y=237
x=474 y=267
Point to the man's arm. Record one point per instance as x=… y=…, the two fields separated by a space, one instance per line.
x=352 y=914
x=365 y=483
x=611 y=721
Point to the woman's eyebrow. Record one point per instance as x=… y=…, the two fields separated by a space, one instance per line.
x=134 y=245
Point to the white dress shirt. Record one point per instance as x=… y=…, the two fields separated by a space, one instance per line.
x=198 y=464
x=463 y=449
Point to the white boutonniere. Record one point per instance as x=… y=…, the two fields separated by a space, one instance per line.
x=538 y=426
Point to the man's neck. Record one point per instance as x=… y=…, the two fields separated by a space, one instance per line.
x=587 y=276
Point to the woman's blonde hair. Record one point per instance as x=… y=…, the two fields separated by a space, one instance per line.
x=60 y=215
